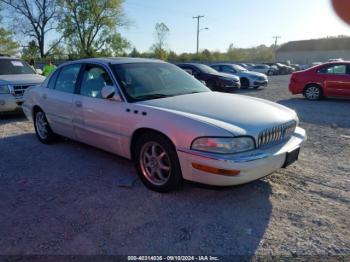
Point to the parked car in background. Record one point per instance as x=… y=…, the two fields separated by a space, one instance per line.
x=248 y=78
x=305 y=66
x=330 y=79
x=242 y=65
x=249 y=65
x=264 y=69
x=336 y=60
x=172 y=127
x=316 y=64
x=15 y=77
x=282 y=68
x=296 y=67
x=214 y=80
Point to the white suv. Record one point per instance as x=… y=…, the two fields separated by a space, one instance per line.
x=15 y=77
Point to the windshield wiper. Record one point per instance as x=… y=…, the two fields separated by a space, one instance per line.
x=152 y=96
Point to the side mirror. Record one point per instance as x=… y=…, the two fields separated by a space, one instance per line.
x=110 y=92
x=39 y=71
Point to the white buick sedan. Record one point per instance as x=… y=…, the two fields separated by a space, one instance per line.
x=171 y=125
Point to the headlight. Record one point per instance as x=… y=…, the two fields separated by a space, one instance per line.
x=223 y=145
x=4 y=89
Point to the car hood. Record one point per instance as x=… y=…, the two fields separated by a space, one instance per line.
x=21 y=79
x=238 y=114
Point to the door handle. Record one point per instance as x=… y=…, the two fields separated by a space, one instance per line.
x=78 y=103
x=44 y=96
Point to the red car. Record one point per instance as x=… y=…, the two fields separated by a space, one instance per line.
x=330 y=79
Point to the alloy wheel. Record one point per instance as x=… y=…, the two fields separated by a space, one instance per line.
x=155 y=163
x=313 y=93
x=41 y=125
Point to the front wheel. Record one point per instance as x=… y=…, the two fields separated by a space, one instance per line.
x=42 y=128
x=313 y=93
x=157 y=163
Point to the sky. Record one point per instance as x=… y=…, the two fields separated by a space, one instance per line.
x=245 y=23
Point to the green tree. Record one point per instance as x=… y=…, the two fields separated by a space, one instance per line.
x=34 y=19
x=90 y=27
x=161 y=35
x=134 y=53
x=172 y=56
x=58 y=52
x=7 y=44
x=117 y=45
x=31 y=51
x=206 y=55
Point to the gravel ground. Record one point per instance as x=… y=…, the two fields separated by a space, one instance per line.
x=70 y=198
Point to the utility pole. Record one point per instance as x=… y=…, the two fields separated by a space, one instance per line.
x=276 y=42
x=198 y=30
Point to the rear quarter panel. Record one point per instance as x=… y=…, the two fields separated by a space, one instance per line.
x=31 y=98
x=299 y=80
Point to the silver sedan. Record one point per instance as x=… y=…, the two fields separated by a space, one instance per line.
x=171 y=125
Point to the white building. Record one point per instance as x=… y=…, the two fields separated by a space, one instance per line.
x=316 y=50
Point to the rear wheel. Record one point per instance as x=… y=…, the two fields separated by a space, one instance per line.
x=313 y=92
x=42 y=128
x=270 y=73
x=245 y=83
x=157 y=163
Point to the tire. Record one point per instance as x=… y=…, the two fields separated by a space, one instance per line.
x=270 y=73
x=313 y=92
x=157 y=163
x=245 y=83
x=42 y=128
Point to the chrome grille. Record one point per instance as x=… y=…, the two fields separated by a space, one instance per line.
x=276 y=134
x=18 y=91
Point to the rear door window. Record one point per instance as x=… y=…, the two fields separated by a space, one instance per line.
x=228 y=69
x=333 y=70
x=67 y=78
x=53 y=79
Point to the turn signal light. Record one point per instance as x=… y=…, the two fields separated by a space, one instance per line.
x=216 y=171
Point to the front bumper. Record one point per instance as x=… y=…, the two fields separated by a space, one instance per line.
x=9 y=103
x=233 y=84
x=252 y=165
x=260 y=83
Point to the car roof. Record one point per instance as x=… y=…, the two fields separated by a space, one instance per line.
x=115 y=60
x=329 y=64
x=336 y=63
x=228 y=64
x=9 y=58
x=194 y=64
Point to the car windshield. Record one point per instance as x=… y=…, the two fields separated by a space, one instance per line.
x=145 y=81
x=239 y=68
x=14 y=67
x=206 y=69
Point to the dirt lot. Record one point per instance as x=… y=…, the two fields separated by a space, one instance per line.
x=70 y=198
